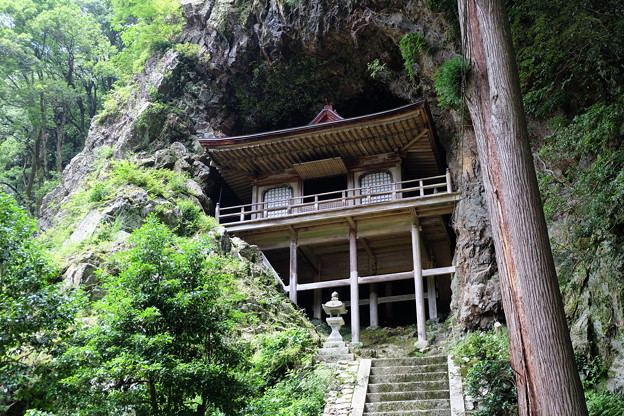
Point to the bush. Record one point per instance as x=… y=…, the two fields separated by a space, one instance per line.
x=410 y=44
x=34 y=311
x=298 y=394
x=281 y=352
x=448 y=82
x=157 y=182
x=193 y=219
x=487 y=372
x=98 y=192
x=604 y=404
x=162 y=341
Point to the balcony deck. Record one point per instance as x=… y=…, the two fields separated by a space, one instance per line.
x=421 y=197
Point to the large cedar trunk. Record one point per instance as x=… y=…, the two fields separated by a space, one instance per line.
x=541 y=351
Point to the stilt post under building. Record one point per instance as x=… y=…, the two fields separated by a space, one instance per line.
x=374 y=306
x=316 y=308
x=418 y=284
x=355 y=290
x=292 y=291
x=431 y=297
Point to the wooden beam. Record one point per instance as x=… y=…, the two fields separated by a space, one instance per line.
x=438 y=271
x=431 y=298
x=354 y=285
x=324 y=285
x=373 y=309
x=389 y=277
x=292 y=293
x=386 y=277
x=351 y=222
x=415 y=139
x=438 y=204
x=418 y=283
x=318 y=293
x=387 y=300
x=311 y=258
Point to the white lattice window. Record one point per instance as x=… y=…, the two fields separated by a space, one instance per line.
x=276 y=198
x=378 y=185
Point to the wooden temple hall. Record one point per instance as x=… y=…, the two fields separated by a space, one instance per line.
x=360 y=206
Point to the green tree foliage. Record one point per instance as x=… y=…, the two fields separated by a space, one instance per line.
x=411 y=44
x=487 y=372
x=144 y=27
x=569 y=52
x=283 y=94
x=161 y=343
x=587 y=189
x=448 y=82
x=53 y=71
x=34 y=312
x=300 y=393
x=58 y=59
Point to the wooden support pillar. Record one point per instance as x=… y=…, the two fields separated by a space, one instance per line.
x=373 y=305
x=316 y=307
x=355 y=289
x=431 y=298
x=292 y=293
x=418 y=284
x=389 y=306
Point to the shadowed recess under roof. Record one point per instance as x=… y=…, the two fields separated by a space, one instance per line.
x=321 y=168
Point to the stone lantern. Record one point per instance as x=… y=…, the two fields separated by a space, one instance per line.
x=334 y=308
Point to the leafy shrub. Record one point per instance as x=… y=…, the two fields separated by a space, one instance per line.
x=161 y=343
x=99 y=192
x=410 y=44
x=448 y=8
x=298 y=394
x=281 y=352
x=104 y=152
x=188 y=50
x=34 y=311
x=604 y=404
x=283 y=94
x=592 y=369
x=157 y=182
x=448 y=81
x=487 y=371
x=193 y=219
x=377 y=70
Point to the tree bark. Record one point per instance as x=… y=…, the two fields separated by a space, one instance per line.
x=60 y=139
x=541 y=351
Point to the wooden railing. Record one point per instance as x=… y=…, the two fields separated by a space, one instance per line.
x=336 y=199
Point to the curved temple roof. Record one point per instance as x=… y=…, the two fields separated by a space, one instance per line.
x=406 y=131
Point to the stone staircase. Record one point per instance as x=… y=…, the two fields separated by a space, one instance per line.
x=408 y=386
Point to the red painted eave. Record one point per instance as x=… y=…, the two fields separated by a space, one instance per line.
x=326 y=115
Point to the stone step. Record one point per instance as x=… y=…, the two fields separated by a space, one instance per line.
x=334 y=344
x=334 y=358
x=334 y=350
x=408 y=405
x=436 y=412
x=393 y=396
x=407 y=361
x=409 y=386
x=403 y=378
x=405 y=369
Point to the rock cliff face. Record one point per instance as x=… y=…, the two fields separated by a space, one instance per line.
x=216 y=89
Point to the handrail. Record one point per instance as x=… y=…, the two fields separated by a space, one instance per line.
x=346 y=197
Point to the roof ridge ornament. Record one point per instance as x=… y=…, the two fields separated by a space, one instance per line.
x=326 y=115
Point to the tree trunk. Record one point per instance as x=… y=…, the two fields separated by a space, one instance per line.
x=541 y=351
x=60 y=138
x=34 y=164
x=44 y=135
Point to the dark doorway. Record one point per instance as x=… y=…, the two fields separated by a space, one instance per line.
x=331 y=187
